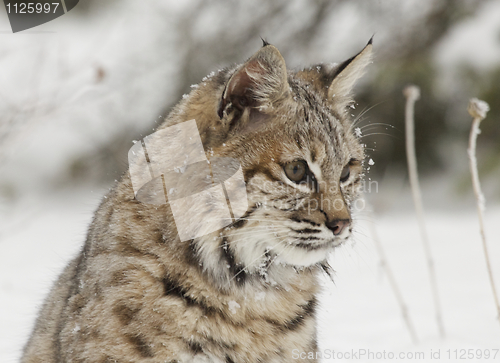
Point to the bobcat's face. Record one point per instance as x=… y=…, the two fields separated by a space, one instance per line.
x=301 y=161
x=302 y=173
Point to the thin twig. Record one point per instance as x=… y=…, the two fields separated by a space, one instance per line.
x=478 y=109
x=412 y=94
x=390 y=275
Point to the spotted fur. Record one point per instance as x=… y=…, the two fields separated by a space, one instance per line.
x=246 y=293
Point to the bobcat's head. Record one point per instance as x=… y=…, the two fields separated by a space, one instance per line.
x=301 y=160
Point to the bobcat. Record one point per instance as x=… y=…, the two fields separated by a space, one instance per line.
x=247 y=292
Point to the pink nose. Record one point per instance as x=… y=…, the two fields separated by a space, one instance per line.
x=337 y=226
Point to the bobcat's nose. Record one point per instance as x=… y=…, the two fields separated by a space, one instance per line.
x=337 y=226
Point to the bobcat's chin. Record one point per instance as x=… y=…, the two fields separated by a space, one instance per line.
x=300 y=258
x=305 y=254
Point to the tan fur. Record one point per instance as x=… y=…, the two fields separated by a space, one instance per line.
x=137 y=294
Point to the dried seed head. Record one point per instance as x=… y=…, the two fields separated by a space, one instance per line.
x=412 y=92
x=478 y=108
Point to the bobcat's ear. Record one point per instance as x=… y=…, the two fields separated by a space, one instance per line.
x=346 y=75
x=258 y=82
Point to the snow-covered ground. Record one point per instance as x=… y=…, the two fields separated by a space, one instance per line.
x=359 y=312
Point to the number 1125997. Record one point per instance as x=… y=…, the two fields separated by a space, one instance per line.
x=31 y=8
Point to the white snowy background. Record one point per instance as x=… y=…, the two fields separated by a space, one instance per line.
x=73 y=85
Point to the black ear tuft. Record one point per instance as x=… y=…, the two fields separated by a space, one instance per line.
x=264 y=42
x=371 y=40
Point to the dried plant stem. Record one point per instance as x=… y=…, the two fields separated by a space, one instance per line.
x=478 y=109
x=412 y=94
x=390 y=276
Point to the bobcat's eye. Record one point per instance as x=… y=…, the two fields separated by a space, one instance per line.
x=296 y=170
x=346 y=172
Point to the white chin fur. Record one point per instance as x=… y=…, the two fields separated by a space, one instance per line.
x=301 y=257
